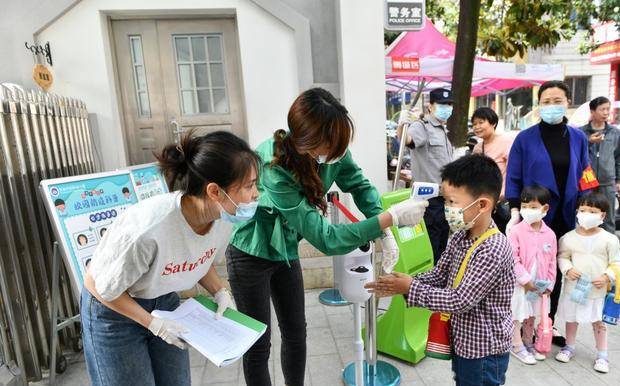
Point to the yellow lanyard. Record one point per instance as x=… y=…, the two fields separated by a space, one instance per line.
x=463 y=267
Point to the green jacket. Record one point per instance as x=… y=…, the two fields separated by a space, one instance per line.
x=284 y=215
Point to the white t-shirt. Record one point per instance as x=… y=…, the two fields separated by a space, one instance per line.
x=151 y=250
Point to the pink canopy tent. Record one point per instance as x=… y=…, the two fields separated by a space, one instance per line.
x=429 y=56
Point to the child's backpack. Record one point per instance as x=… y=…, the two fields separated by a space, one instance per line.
x=544 y=333
x=611 y=310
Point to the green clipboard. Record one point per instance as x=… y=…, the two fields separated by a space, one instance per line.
x=233 y=315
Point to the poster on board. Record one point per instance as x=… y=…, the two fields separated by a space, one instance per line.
x=147 y=181
x=82 y=208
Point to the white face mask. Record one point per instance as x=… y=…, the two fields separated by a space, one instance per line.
x=532 y=215
x=455 y=218
x=589 y=220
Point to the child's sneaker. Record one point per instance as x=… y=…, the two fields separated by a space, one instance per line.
x=601 y=365
x=523 y=355
x=564 y=355
x=538 y=356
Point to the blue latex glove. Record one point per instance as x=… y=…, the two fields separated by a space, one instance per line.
x=582 y=290
x=541 y=287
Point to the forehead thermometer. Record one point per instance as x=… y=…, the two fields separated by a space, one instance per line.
x=424 y=191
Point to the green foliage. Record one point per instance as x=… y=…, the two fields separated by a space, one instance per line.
x=510 y=27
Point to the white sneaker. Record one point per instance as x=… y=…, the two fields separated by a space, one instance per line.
x=564 y=356
x=538 y=356
x=601 y=365
x=524 y=356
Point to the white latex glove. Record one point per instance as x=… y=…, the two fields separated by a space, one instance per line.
x=169 y=330
x=408 y=213
x=515 y=218
x=391 y=252
x=224 y=301
x=405 y=117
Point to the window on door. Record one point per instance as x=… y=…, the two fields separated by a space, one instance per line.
x=580 y=89
x=201 y=74
x=139 y=76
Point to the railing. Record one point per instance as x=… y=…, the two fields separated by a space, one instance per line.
x=41 y=136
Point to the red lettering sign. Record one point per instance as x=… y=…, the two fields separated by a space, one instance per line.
x=401 y=64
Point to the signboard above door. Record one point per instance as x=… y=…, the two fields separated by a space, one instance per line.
x=404 y=15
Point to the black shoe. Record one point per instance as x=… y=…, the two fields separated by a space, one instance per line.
x=559 y=341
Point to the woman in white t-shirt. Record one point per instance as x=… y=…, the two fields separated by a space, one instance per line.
x=164 y=244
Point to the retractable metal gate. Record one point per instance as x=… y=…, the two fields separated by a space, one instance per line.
x=41 y=136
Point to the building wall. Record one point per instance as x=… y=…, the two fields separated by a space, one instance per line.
x=347 y=59
x=362 y=74
x=575 y=64
x=18 y=22
x=84 y=66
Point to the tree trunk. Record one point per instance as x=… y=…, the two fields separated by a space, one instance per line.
x=464 y=56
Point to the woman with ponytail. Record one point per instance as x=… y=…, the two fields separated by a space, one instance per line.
x=157 y=247
x=298 y=167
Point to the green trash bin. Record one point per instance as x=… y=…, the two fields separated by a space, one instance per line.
x=402 y=331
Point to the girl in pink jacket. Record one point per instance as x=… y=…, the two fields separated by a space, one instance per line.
x=534 y=247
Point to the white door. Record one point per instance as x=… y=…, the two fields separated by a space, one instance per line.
x=176 y=75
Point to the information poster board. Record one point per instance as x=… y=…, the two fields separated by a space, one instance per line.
x=147 y=181
x=82 y=208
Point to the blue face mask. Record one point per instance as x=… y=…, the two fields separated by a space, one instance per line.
x=443 y=112
x=244 y=212
x=552 y=114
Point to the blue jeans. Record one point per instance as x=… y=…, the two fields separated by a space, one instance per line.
x=120 y=352
x=485 y=371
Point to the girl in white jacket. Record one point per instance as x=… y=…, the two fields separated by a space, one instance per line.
x=585 y=255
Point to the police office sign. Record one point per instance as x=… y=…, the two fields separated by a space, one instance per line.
x=404 y=15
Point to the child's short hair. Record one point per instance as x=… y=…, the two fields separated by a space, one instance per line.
x=595 y=200
x=477 y=173
x=536 y=193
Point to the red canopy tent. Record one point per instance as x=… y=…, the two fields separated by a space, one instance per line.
x=428 y=55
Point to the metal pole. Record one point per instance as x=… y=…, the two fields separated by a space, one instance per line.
x=91 y=143
x=14 y=310
x=69 y=144
x=358 y=345
x=54 y=318
x=16 y=218
x=403 y=136
x=38 y=225
x=61 y=141
x=371 y=322
x=79 y=129
x=18 y=109
x=77 y=138
x=332 y=297
x=54 y=150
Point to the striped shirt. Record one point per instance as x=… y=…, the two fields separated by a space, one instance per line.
x=481 y=322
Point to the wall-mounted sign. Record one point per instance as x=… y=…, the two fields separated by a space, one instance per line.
x=404 y=15
x=42 y=76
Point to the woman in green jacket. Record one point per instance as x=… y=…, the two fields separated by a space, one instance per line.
x=298 y=169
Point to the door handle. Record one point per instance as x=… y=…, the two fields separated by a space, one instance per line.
x=177 y=130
